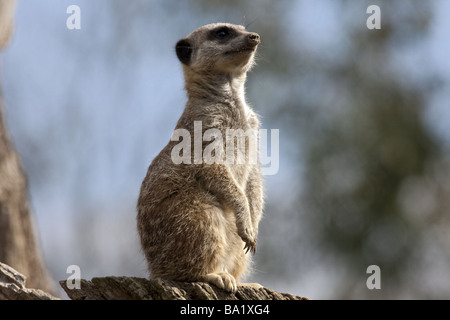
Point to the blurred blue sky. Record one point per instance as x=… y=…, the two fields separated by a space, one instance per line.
x=89 y=109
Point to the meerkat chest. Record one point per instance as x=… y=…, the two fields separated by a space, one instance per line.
x=242 y=145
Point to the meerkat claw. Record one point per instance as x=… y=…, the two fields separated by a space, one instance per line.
x=250 y=248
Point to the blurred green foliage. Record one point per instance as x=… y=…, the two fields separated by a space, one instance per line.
x=369 y=164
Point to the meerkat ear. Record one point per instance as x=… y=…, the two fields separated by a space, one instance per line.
x=184 y=51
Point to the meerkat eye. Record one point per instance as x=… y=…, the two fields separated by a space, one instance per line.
x=222 y=33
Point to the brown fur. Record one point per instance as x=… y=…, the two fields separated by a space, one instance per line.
x=194 y=220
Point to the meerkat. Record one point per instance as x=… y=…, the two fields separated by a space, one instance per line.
x=199 y=221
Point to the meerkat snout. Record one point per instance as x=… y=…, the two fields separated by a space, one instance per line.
x=254 y=37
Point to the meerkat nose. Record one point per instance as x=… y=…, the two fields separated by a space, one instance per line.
x=254 y=37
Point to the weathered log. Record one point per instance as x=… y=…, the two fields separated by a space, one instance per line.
x=12 y=287
x=126 y=288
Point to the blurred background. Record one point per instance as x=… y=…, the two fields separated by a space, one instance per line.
x=364 y=120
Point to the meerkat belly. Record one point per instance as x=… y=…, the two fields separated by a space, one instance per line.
x=234 y=257
x=240 y=165
x=240 y=173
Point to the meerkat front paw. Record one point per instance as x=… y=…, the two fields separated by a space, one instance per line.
x=247 y=235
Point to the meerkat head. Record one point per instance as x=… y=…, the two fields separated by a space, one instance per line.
x=222 y=48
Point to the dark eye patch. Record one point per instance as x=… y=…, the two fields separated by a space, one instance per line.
x=222 y=33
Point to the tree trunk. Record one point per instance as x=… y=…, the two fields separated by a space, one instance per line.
x=6 y=21
x=18 y=244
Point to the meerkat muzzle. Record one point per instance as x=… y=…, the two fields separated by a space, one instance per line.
x=254 y=38
x=249 y=44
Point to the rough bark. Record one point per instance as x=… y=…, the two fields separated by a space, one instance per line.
x=131 y=288
x=12 y=286
x=18 y=244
